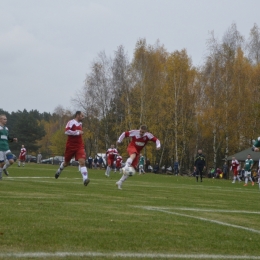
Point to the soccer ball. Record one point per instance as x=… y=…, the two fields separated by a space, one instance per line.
x=130 y=171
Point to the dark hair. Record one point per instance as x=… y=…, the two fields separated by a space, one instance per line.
x=77 y=113
x=143 y=127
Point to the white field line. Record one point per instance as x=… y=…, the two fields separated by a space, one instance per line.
x=123 y=255
x=203 y=219
x=219 y=210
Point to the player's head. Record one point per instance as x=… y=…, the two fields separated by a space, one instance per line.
x=233 y=158
x=3 y=119
x=248 y=156
x=79 y=116
x=22 y=145
x=112 y=146
x=199 y=151
x=143 y=129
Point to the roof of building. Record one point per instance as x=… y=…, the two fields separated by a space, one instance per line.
x=242 y=156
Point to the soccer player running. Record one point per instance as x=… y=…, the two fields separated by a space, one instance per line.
x=22 y=156
x=110 y=155
x=248 y=167
x=199 y=165
x=139 y=139
x=234 y=168
x=75 y=147
x=6 y=157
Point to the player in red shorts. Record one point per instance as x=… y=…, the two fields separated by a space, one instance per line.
x=22 y=156
x=75 y=147
x=139 y=139
x=234 y=168
x=119 y=160
x=110 y=156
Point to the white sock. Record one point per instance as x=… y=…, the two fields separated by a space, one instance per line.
x=238 y=178
x=108 y=170
x=19 y=163
x=250 y=179
x=1 y=170
x=123 y=178
x=129 y=162
x=234 y=178
x=7 y=164
x=61 y=166
x=246 y=180
x=84 y=172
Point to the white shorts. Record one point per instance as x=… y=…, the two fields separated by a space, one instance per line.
x=247 y=174
x=3 y=155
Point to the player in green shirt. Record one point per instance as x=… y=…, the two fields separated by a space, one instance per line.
x=248 y=167
x=6 y=157
x=141 y=164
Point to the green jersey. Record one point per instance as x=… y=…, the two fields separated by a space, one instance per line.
x=248 y=165
x=141 y=160
x=4 y=139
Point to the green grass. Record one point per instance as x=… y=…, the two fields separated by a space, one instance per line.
x=163 y=216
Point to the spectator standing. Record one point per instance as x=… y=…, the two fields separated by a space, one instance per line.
x=199 y=165
x=39 y=157
x=100 y=162
x=176 y=167
x=225 y=170
x=90 y=160
x=95 y=162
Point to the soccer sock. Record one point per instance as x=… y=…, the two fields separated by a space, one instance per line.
x=234 y=178
x=19 y=163
x=250 y=179
x=84 y=172
x=246 y=180
x=259 y=182
x=7 y=164
x=238 y=178
x=129 y=162
x=61 y=166
x=124 y=177
x=108 y=170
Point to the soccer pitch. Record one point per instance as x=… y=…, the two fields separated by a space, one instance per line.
x=153 y=217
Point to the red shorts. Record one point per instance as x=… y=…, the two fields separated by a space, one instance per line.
x=235 y=171
x=110 y=162
x=132 y=150
x=118 y=165
x=78 y=153
x=22 y=158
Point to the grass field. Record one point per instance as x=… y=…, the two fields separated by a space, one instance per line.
x=153 y=217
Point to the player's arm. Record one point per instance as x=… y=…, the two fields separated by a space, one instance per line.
x=122 y=137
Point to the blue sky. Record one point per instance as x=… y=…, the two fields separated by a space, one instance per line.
x=47 y=46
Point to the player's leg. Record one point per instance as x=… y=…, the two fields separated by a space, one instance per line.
x=250 y=179
x=69 y=154
x=2 y=163
x=8 y=162
x=246 y=178
x=80 y=155
x=108 y=169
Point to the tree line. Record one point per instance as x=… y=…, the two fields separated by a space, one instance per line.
x=213 y=107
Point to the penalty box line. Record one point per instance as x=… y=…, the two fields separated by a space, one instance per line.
x=200 y=218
